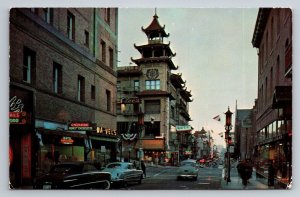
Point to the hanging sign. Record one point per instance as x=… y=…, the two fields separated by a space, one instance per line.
x=80 y=126
x=66 y=140
x=106 y=131
x=183 y=128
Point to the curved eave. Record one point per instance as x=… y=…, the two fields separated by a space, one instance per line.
x=186 y=95
x=140 y=48
x=260 y=25
x=177 y=81
x=155 y=59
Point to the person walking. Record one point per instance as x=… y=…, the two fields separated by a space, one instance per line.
x=143 y=166
x=245 y=171
x=271 y=173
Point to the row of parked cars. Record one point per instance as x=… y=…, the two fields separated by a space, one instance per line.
x=85 y=175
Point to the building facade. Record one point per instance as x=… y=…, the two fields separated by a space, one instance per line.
x=273 y=39
x=62 y=88
x=152 y=101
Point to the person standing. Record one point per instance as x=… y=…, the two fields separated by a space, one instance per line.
x=143 y=166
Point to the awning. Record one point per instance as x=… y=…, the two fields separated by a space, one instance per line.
x=104 y=139
x=282 y=97
x=152 y=144
x=61 y=133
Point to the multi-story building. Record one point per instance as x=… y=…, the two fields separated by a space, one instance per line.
x=62 y=87
x=273 y=39
x=152 y=101
x=243 y=133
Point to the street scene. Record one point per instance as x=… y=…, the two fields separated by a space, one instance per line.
x=150 y=98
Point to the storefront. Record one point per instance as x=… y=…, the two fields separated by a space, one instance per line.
x=21 y=136
x=153 y=150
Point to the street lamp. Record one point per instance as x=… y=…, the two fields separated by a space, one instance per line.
x=228 y=127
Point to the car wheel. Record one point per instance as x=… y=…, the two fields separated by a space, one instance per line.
x=178 y=178
x=195 y=178
x=106 y=184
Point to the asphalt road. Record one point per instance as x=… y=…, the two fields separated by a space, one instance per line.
x=164 y=178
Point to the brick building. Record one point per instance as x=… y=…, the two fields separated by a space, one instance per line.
x=152 y=101
x=273 y=39
x=62 y=82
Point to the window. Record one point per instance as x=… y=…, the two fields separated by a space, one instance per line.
x=34 y=10
x=93 y=92
x=277 y=69
x=107 y=15
x=29 y=61
x=71 y=26
x=48 y=15
x=278 y=21
x=108 y=100
x=136 y=85
x=152 y=84
x=80 y=88
x=87 y=38
x=103 y=51
x=111 y=58
x=152 y=106
x=152 y=129
x=57 y=78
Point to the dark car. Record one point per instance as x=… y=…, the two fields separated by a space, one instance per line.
x=74 y=175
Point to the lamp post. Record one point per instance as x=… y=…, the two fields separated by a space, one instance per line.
x=228 y=127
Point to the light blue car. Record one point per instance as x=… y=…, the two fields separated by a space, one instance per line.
x=188 y=169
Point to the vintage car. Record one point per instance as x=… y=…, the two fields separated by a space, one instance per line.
x=188 y=169
x=123 y=172
x=74 y=175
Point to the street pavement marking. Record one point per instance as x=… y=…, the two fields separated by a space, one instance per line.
x=204 y=183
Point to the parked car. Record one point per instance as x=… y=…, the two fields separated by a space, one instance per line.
x=123 y=172
x=188 y=169
x=74 y=175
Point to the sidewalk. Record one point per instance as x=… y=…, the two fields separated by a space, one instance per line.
x=236 y=182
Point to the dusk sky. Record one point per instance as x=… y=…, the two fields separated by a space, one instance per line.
x=213 y=51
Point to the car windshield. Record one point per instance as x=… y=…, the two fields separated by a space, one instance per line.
x=114 y=165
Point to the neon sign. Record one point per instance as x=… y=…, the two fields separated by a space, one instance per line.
x=18 y=117
x=80 y=126
x=66 y=140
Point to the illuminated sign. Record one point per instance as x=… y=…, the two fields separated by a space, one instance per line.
x=18 y=117
x=66 y=140
x=80 y=126
x=106 y=131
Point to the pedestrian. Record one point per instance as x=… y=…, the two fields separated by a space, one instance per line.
x=245 y=171
x=271 y=173
x=143 y=166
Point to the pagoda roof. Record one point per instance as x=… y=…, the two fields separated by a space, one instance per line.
x=165 y=59
x=155 y=29
x=186 y=95
x=177 y=80
x=155 y=45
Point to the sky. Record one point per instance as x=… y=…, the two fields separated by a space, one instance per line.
x=213 y=51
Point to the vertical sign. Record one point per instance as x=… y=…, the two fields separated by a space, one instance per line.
x=26 y=156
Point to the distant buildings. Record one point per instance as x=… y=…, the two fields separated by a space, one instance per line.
x=153 y=103
x=62 y=88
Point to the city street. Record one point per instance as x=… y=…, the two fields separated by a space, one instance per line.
x=164 y=178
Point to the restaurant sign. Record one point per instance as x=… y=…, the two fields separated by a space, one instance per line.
x=132 y=100
x=66 y=140
x=106 y=131
x=80 y=126
x=18 y=118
